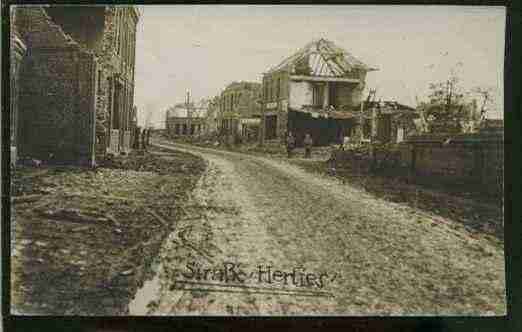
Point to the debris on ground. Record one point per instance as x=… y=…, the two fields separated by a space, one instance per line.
x=83 y=240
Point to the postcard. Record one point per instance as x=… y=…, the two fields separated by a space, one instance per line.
x=252 y=160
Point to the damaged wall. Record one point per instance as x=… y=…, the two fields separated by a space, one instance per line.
x=56 y=99
x=346 y=94
x=78 y=75
x=301 y=93
x=116 y=57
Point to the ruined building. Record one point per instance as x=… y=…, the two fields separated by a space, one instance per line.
x=75 y=91
x=240 y=110
x=187 y=119
x=317 y=90
x=388 y=121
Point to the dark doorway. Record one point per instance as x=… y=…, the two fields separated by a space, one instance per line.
x=324 y=131
x=332 y=95
x=116 y=111
x=271 y=126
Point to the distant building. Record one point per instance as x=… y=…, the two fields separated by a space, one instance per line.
x=186 y=119
x=75 y=91
x=240 y=110
x=317 y=90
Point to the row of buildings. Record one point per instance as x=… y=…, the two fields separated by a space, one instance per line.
x=235 y=112
x=72 y=82
x=317 y=90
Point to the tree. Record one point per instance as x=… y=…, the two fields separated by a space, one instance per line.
x=446 y=107
x=448 y=110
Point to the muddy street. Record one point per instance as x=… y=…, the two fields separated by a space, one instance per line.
x=268 y=238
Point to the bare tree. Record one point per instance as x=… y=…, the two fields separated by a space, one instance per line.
x=486 y=94
x=447 y=109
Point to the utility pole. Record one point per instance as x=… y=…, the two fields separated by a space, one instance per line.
x=189 y=113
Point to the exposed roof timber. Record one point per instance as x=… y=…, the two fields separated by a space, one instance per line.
x=321 y=53
x=323 y=79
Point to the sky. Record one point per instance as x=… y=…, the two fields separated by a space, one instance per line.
x=204 y=48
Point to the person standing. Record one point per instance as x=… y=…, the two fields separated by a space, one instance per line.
x=308 y=145
x=144 y=139
x=290 y=144
x=148 y=136
x=136 y=138
x=332 y=161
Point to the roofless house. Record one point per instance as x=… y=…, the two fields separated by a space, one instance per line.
x=318 y=90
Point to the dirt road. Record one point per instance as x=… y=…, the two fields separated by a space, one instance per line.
x=274 y=239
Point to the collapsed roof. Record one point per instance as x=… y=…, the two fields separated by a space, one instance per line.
x=322 y=58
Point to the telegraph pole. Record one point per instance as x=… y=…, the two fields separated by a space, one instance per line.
x=189 y=113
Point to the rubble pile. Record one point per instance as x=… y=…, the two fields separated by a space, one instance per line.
x=83 y=240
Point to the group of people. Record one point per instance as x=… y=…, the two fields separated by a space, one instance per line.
x=291 y=144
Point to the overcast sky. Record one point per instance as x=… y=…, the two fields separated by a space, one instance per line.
x=204 y=48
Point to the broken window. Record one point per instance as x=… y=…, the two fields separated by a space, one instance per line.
x=271 y=126
x=317 y=94
x=332 y=94
x=400 y=134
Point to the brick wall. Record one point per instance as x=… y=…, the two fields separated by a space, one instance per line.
x=68 y=76
x=56 y=102
x=38 y=30
x=473 y=158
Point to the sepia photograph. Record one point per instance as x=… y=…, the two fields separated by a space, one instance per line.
x=256 y=160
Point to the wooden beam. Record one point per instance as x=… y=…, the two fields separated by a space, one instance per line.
x=323 y=79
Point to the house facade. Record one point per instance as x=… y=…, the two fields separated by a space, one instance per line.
x=317 y=90
x=76 y=82
x=240 y=110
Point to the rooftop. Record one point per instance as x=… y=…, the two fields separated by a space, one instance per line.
x=323 y=58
